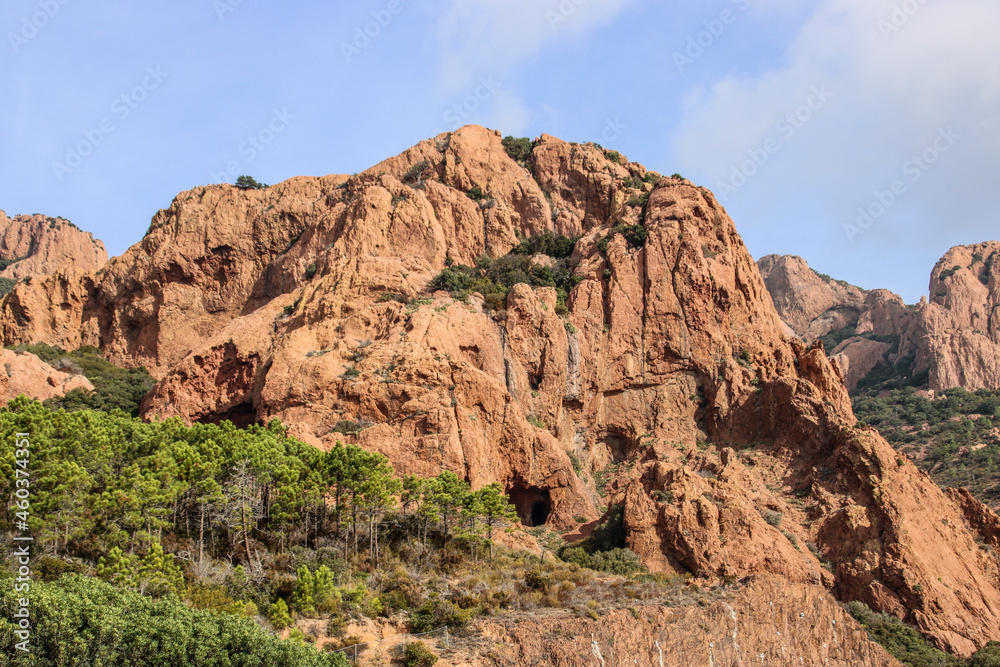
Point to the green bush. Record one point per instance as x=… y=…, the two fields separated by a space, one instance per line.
x=614 y=156
x=948 y=273
x=249 y=183
x=437 y=613
x=772 y=518
x=476 y=193
x=493 y=278
x=115 y=388
x=310 y=271
x=7 y=285
x=620 y=561
x=547 y=243
x=900 y=640
x=636 y=236
x=4 y=263
x=417 y=172
x=416 y=654
x=84 y=621
x=987 y=656
x=392 y=296
x=518 y=148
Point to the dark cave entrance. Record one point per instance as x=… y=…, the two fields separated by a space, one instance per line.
x=242 y=416
x=533 y=504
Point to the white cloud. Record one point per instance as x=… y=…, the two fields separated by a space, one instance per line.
x=899 y=70
x=480 y=36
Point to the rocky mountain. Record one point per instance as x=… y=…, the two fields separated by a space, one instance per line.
x=666 y=382
x=36 y=245
x=24 y=373
x=811 y=304
x=952 y=339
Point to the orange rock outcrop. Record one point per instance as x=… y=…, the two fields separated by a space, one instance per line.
x=41 y=245
x=671 y=376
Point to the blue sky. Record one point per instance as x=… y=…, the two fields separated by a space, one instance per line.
x=803 y=117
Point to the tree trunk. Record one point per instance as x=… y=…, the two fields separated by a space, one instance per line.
x=246 y=533
x=201 y=540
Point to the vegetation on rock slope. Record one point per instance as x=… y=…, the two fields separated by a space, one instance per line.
x=220 y=526
x=954 y=436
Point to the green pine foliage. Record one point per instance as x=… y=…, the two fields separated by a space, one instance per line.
x=518 y=148
x=493 y=278
x=115 y=388
x=903 y=642
x=84 y=621
x=249 y=183
x=945 y=435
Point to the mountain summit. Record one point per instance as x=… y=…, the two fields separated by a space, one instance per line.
x=546 y=315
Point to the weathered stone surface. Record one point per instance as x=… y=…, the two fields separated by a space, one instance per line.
x=809 y=303
x=766 y=622
x=24 y=373
x=280 y=303
x=954 y=337
x=43 y=245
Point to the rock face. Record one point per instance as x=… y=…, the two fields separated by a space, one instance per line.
x=954 y=337
x=766 y=622
x=812 y=305
x=289 y=303
x=24 y=373
x=961 y=322
x=42 y=245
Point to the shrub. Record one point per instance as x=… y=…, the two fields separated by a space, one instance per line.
x=635 y=235
x=652 y=177
x=249 y=183
x=638 y=200
x=7 y=285
x=519 y=149
x=948 y=273
x=476 y=193
x=348 y=427
x=614 y=156
x=987 y=656
x=619 y=561
x=392 y=296
x=772 y=518
x=547 y=243
x=902 y=641
x=436 y=613
x=493 y=278
x=417 y=172
x=416 y=654
x=677 y=177
x=4 y=263
x=115 y=388
x=310 y=271
x=84 y=621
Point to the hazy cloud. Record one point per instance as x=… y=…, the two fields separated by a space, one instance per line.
x=899 y=72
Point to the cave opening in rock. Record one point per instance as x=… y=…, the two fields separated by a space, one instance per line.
x=618 y=443
x=241 y=415
x=540 y=512
x=533 y=504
